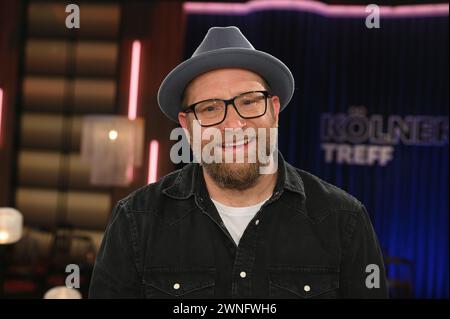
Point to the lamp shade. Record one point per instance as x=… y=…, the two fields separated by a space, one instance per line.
x=112 y=145
x=62 y=292
x=11 y=224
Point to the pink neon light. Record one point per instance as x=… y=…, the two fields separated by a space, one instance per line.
x=1 y=117
x=134 y=79
x=315 y=7
x=153 y=162
x=130 y=172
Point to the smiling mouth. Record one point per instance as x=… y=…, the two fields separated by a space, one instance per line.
x=237 y=145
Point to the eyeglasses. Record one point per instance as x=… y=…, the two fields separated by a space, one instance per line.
x=248 y=105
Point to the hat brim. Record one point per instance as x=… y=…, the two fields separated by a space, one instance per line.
x=274 y=72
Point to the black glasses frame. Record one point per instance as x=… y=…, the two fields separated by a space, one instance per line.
x=191 y=108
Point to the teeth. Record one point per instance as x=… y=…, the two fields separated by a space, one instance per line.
x=242 y=142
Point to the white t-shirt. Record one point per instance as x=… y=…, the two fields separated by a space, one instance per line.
x=236 y=219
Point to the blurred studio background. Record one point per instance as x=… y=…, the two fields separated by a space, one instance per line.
x=80 y=127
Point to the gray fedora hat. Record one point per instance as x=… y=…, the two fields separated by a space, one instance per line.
x=224 y=47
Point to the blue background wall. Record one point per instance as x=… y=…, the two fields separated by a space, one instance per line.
x=399 y=69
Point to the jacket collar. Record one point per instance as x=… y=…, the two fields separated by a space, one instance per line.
x=189 y=180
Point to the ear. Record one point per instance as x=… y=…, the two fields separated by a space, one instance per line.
x=276 y=107
x=183 y=119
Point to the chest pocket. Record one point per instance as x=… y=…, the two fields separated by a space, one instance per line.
x=167 y=283
x=303 y=282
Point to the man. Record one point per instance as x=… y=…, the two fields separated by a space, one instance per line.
x=254 y=228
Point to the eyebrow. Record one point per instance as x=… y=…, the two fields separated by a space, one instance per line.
x=218 y=98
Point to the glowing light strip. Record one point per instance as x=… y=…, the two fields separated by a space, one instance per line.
x=134 y=79
x=315 y=7
x=152 y=162
x=1 y=117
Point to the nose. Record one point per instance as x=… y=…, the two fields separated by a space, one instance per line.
x=233 y=119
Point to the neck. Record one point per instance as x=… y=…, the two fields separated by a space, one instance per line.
x=261 y=190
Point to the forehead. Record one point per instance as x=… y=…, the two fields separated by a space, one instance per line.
x=222 y=83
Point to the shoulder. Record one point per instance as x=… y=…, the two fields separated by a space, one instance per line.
x=335 y=196
x=147 y=197
x=324 y=198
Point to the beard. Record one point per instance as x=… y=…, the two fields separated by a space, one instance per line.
x=238 y=176
x=244 y=175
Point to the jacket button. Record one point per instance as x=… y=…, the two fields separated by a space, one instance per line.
x=243 y=274
x=306 y=288
x=257 y=222
x=176 y=286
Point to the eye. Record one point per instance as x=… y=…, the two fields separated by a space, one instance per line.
x=248 y=101
x=210 y=108
x=251 y=100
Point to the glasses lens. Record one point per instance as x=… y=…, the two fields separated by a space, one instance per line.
x=210 y=112
x=251 y=104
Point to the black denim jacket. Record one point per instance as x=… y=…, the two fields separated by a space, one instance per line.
x=309 y=240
